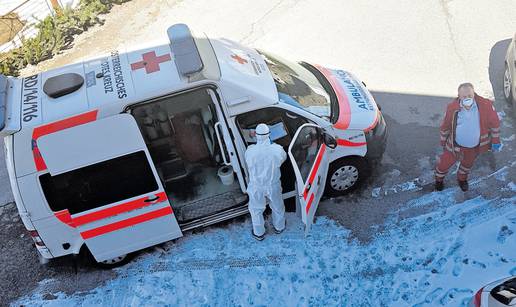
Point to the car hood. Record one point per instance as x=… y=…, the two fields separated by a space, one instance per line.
x=357 y=108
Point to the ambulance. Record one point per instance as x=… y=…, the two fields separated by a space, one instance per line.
x=119 y=153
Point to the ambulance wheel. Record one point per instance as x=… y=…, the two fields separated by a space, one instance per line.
x=110 y=263
x=115 y=262
x=345 y=175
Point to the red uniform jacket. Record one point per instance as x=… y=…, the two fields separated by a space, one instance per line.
x=489 y=125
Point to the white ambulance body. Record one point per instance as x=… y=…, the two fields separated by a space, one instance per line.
x=130 y=150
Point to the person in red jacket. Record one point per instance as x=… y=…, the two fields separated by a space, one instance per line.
x=470 y=126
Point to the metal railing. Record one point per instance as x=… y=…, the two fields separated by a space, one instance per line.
x=21 y=22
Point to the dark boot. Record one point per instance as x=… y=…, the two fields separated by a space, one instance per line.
x=439 y=185
x=258 y=238
x=464 y=186
x=279 y=231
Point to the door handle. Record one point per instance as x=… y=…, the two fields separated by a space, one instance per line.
x=217 y=132
x=151 y=200
x=318 y=180
x=290 y=115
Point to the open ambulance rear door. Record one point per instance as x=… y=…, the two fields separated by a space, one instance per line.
x=10 y=105
x=103 y=182
x=309 y=156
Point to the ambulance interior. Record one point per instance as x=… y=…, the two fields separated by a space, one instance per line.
x=180 y=135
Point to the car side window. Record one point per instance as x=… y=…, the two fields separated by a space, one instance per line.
x=283 y=124
x=305 y=150
x=99 y=184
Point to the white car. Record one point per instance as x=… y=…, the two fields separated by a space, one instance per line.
x=501 y=293
x=119 y=153
x=509 y=76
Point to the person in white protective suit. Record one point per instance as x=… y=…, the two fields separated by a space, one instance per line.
x=263 y=161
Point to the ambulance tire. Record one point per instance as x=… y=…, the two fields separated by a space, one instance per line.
x=345 y=175
x=115 y=262
x=108 y=264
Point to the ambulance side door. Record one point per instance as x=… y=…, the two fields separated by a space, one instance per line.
x=101 y=180
x=308 y=153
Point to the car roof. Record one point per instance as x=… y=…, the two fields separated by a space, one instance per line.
x=109 y=82
x=126 y=76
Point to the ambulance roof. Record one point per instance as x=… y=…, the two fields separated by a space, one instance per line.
x=123 y=77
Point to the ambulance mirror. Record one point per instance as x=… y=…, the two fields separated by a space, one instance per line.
x=329 y=140
x=186 y=54
x=61 y=85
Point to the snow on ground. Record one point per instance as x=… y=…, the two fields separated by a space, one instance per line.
x=439 y=258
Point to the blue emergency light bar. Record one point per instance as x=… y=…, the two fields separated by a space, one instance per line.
x=186 y=54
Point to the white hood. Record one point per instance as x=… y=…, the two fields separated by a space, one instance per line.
x=357 y=108
x=246 y=82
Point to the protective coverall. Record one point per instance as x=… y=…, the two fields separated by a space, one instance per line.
x=263 y=161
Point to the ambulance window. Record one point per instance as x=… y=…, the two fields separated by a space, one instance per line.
x=305 y=149
x=99 y=184
x=282 y=123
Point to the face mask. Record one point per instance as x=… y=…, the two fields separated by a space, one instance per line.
x=467 y=102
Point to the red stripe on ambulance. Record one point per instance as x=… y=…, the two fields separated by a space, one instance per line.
x=314 y=170
x=375 y=122
x=65 y=217
x=347 y=143
x=95 y=232
x=309 y=204
x=55 y=127
x=344 y=107
x=115 y=210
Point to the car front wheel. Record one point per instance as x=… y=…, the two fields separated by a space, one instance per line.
x=345 y=175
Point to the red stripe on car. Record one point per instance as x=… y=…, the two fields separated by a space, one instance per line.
x=315 y=169
x=65 y=217
x=115 y=210
x=95 y=232
x=347 y=143
x=309 y=204
x=54 y=127
x=344 y=107
x=375 y=122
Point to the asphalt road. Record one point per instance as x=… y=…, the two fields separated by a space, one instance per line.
x=411 y=54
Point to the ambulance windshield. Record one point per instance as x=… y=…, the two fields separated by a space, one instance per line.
x=298 y=86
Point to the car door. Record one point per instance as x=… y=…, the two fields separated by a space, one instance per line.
x=309 y=156
x=225 y=141
x=283 y=124
x=102 y=181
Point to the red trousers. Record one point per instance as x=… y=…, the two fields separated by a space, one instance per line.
x=466 y=157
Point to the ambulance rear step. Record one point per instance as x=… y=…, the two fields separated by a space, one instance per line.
x=216 y=218
x=209 y=206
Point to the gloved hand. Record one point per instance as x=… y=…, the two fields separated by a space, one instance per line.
x=496 y=147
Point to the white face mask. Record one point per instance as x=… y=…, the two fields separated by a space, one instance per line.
x=467 y=102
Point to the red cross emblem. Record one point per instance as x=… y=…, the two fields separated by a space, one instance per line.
x=239 y=59
x=151 y=62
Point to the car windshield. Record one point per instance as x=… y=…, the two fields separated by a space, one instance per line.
x=299 y=84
